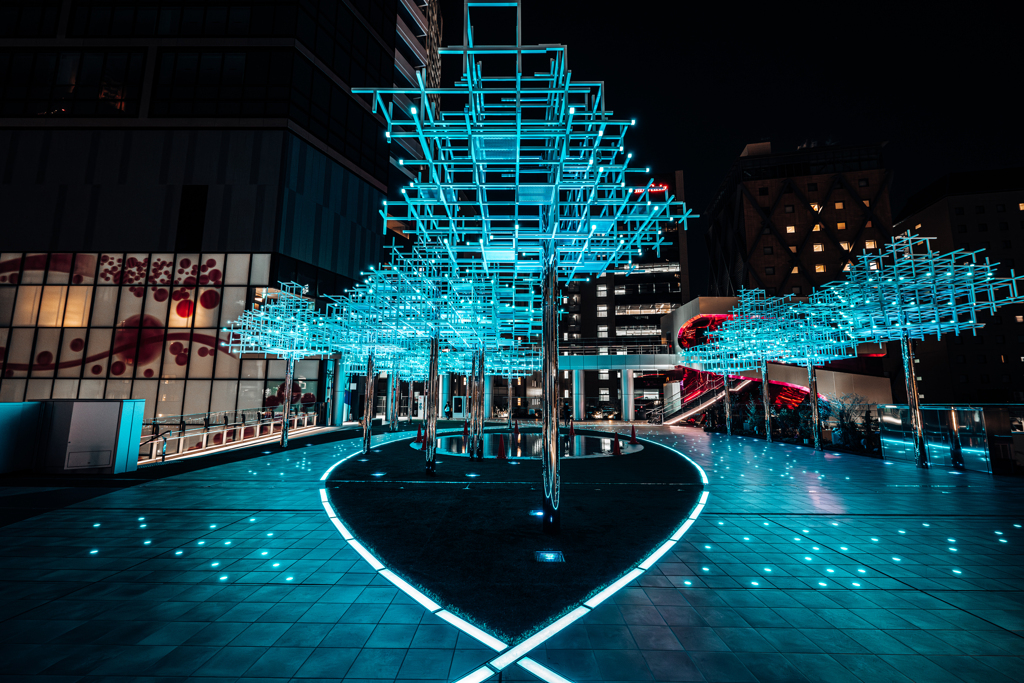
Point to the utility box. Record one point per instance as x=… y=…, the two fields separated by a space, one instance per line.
x=90 y=437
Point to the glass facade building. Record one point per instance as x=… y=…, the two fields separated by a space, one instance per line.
x=161 y=163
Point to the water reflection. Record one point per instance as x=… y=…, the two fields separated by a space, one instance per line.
x=529 y=446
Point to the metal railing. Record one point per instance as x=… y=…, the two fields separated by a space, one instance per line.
x=610 y=347
x=181 y=435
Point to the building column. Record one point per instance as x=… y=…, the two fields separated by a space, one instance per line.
x=579 y=402
x=488 y=395
x=627 y=395
x=446 y=392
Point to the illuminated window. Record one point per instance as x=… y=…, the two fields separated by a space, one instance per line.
x=620 y=290
x=845 y=246
x=604 y=394
x=793 y=249
x=867 y=202
x=602 y=290
x=565 y=336
x=1020 y=318
x=917 y=227
x=796 y=269
x=819 y=267
x=790 y=229
x=1020 y=207
x=872 y=266
x=519 y=381
x=565 y=299
x=602 y=331
x=818 y=246
x=816 y=207
x=840 y=226
x=839 y=205
x=817 y=227
x=602 y=311
x=846 y=267
x=602 y=374
x=870 y=244
x=868 y=224
x=565 y=393
x=602 y=351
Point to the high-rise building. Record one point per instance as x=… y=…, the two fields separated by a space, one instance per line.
x=620 y=313
x=161 y=163
x=787 y=222
x=971 y=211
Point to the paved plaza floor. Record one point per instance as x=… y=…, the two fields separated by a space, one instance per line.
x=802 y=567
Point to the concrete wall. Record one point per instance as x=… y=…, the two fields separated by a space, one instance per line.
x=19 y=430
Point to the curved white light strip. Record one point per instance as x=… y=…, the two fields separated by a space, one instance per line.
x=517 y=654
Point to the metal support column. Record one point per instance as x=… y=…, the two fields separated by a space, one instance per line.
x=432 y=387
x=394 y=395
x=913 y=402
x=371 y=401
x=727 y=402
x=627 y=395
x=550 y=451
x=288 y=379
x=511 y=399
x=812 y=386
x=766 y=397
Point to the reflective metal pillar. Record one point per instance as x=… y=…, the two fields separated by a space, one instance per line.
x=727 y=403
x=580 y=399
x=510 y=400
x=550 y=451
x=812 y=386
x=393 y=388
x=473 y=407
x=480 y=403
x=913 y=402
x=371 y=400
x=432 y=387
x=766 y=396
x=288 y=380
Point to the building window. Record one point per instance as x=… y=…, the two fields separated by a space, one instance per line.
x=793 y=249
x=789 y=208
x=840 y=226
x=845 y=246
x=1000 y=208
x=873 y=266
x=767 y=250
x=796 y=290
x=817 y=227
x=979 y=209
x=1003 y=225
x=959 y=211
x=862 y=182
x=819 y=268
x=1007 y=245
x=812 y=187
x=620 y=290
x=917 y=227
x=769 y=270
x=796 y=269
x=982 y=227
x=604 y=394
x=818 y=246
x=602 y=331
x=1019 y=318
x=602 y=311
x=816 y=207
x=602 y=290
x=839 y=206
x=602 y=351
x=846 y=268
x=790 y=229
x=565 y=336
x=961 y=228
x=870 y=244
x=1020 y=207
x=762 y=192
x=867 y=202
x=602 y=374
x=868 y=224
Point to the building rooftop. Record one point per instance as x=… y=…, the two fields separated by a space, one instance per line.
x=964 y=183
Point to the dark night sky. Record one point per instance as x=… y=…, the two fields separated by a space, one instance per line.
x=703 y=81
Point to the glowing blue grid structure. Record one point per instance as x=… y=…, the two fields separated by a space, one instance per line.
x=527 y=175
x=287 y=326
x=907 y=291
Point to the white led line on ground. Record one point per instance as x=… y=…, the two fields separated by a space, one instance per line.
x=517 y=654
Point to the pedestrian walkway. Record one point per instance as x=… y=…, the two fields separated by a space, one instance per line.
x=803 y=566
